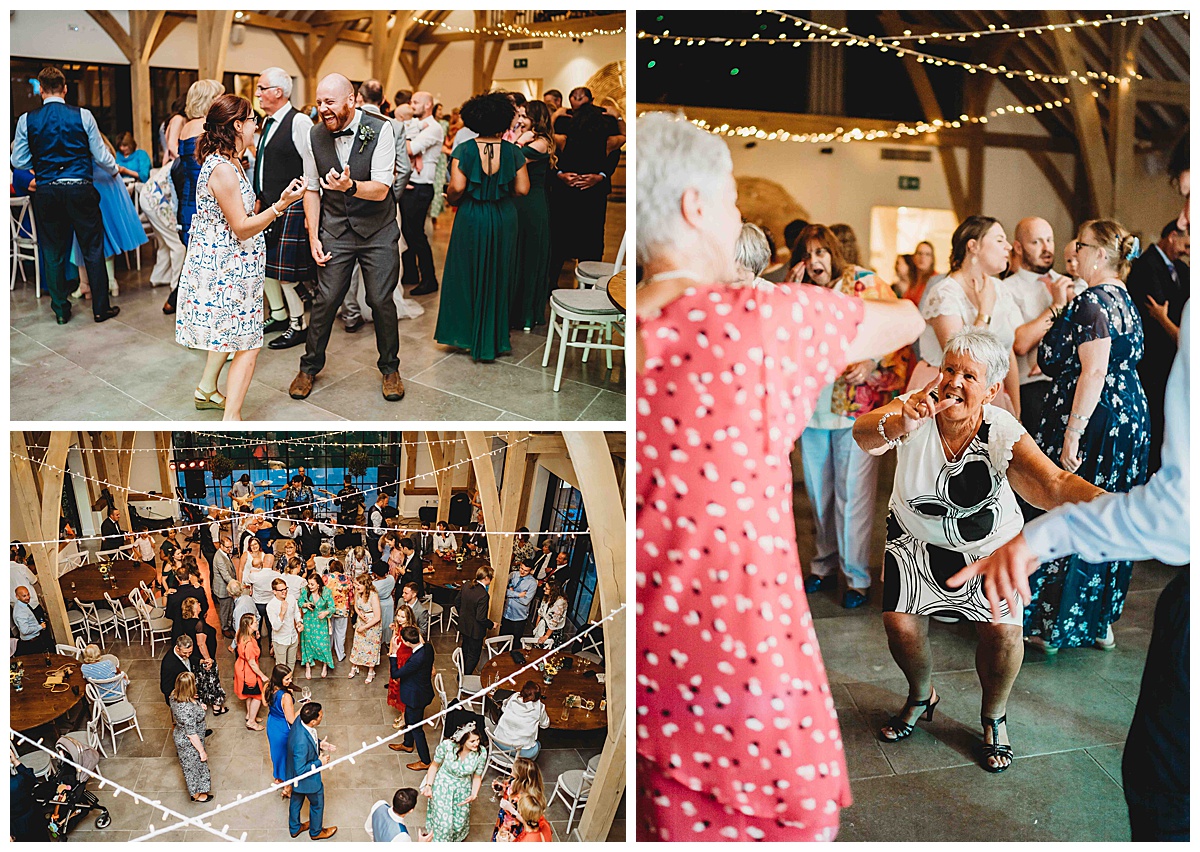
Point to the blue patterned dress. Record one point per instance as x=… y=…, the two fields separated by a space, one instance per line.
x=1074 y=601
x=221 y=288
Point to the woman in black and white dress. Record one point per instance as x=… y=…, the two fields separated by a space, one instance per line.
x=959 y=460
x=189 y=717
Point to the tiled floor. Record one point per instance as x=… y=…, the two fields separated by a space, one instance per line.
x=1068 y=718
x=131 y=368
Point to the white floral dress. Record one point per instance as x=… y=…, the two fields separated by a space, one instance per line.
x=221 y=288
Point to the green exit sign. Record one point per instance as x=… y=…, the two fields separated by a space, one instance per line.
x=520 y=63
x=907 y=182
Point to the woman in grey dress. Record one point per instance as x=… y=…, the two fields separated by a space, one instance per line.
x=189 y=716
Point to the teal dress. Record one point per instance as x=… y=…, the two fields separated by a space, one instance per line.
x=314 y=639
x=531 y=290
x=481 y=262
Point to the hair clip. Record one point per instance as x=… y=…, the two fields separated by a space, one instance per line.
x=462 y=732
x=1135 y=251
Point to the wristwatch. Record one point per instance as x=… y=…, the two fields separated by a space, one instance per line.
x=353 y=188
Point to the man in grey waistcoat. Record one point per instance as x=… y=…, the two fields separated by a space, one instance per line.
x=351 y=218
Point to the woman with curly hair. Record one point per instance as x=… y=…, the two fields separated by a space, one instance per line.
x=486 y=173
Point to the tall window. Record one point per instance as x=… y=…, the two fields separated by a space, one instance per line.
x=103 y=89
x=564 y=512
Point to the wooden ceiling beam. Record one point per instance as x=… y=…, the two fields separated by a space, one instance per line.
x=114 y=31
x=336 y=16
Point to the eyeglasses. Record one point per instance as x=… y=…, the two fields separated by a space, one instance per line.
x=258 y=90
x=1080 y=244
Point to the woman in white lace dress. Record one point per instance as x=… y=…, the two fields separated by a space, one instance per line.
x=959 y=460
x=221 y=288
x=970 y=295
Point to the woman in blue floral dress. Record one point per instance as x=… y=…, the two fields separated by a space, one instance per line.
x=1096 y=425
x=221 y=288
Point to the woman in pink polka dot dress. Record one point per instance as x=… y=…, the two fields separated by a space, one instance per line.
x=736 y=730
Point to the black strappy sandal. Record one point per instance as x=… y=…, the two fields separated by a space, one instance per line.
x=903 y=729
x=994 y=749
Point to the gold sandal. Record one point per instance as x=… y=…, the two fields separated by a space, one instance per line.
x=204 y=402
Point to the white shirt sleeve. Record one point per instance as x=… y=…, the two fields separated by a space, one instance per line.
x=383 y=160
x=310 y=162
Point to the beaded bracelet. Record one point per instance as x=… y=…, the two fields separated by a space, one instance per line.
x=891 y=443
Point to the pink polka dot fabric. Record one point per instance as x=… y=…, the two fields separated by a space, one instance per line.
x=732 y=698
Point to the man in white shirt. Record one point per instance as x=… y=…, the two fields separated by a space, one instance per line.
x=284 y=617
x=280 y=160
x=425 y=138
x=1040 y=293
x=20 y=575
x=351 y=219
x=261 y=583
x=32 y=634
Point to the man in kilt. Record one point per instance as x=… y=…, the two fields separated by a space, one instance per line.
x=351 y=218
x=282 y=143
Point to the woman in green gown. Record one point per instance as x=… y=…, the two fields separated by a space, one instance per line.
x=452 y=783
x=316 y=606
x=481 y=261
x=531 y=290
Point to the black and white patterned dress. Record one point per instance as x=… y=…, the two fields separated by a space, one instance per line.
x=947 y=514
x=189 y=718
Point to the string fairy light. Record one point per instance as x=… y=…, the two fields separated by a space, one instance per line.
x=203 y=820
x=1038 y=29
x=506 y=30
x=313 y=441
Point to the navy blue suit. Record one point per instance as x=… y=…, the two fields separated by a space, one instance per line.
x=303 y=754
x=416 y=691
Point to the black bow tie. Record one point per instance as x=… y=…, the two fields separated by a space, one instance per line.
x=346 y=132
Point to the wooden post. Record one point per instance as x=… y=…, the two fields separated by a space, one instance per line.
x=212 y=41
x=601 y=492
x=386 y=44
x=39 y=520
x=166 y=479
x=137 y=45
x=493 y=519
x=112 y=461
x=1122 y=118
x=441 y=456
x=516 y=462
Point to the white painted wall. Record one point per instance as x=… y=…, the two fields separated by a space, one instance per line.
x=63 y=35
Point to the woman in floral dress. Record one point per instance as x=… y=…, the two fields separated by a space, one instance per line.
x=526 y=780
x=316 y=607
x=452 y=783
x=338 y=582
x=1095 y=424
x=368 y=630
x=221 y=287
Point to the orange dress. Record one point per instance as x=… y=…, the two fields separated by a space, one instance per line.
x=246 y=682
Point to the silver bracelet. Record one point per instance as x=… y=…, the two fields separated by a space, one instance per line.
x=1076 y=431
x=891 y=443
x=1080 y=417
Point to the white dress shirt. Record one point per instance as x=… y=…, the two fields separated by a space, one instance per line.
x=426 y=137
x=444 y=541
x=383 y=157
x=19 y=575
x=283 y=615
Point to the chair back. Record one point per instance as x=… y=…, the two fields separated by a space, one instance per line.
x=439 y=687
x=103 y=687
x=528 y=642
x=75 y=560
x=68 y=651
x=88 y=609
x=114 y=553
x=457 y=656
x=22 y=227
x=501 y=758
x=498 y=645
x=620 y=260
x=81 y=644
x=115 y=606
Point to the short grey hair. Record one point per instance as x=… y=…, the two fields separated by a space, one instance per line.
x=673 y=156
x=752 y=252
x=276 y=76
x=984 y=347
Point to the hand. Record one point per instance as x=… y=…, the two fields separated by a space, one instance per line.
x=336 y=181
x=987 y=296
x=1060 y=292
x=1070 y=452
x=1157 y=311
x=203 y=756
x=468 y=800
x=427 y=791
x=586 y=181
x=318 y=251
x=1005 y=575
x=856 y=374
x=568 y=178
x=797 y=273
x=207 y=664
x=921 y=406
x=291 y=194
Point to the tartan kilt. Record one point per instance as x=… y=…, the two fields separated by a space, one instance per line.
x=289 y=257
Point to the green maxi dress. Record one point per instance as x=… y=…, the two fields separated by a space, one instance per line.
x=448 y=820
x=481 y=261
x=314 y=639
x=531 y=290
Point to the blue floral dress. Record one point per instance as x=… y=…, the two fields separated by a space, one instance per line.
x=1074 y=601
x=221 y=288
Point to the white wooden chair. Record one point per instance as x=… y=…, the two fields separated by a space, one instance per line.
x=107 y=696
x=436 y=613
x=590 y=648
x=498 y=645
x=101 y=620
x=69 y=651
x=125 y=617
x=592 y=312
x=37 y=760
x=528 y=642
x=23 y=234
x=151 y=601
x=500 y=756
x=573 y=788
x=125 y=551
x=120 y=713
x=156 y=626
x=452 y=621
x=90 y=735
x=590 y=272
x=468 y=685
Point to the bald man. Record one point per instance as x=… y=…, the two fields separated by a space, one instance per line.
x=351 y=218
x=32 y=635
x=425 y=137
x=1040 y=293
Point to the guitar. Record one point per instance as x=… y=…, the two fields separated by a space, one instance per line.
x=247 y=502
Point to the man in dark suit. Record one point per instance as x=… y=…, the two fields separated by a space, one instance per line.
x=472 y=603
x=305 y=752
x=114 y=536
x=416 y=691
x=414 y=568
x=1158 y=283
x=174 y=663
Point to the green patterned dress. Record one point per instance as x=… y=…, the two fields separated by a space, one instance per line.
x=439 y=176
x=481 y=262
x=314 y=639
x=531 y=289
x=447 y=819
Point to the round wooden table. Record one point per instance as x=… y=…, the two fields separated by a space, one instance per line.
x=37 y=705
x=89 y=587
x=616 y=290
x=446 y=572
x=554 y=695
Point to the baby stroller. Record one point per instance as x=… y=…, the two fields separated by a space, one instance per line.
x=64 y=796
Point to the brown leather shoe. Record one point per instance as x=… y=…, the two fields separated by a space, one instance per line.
x=418 y=766
x=400 y=747
x=393 y=387
x=326 y=832
x=303 y=827
x=301 y=386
